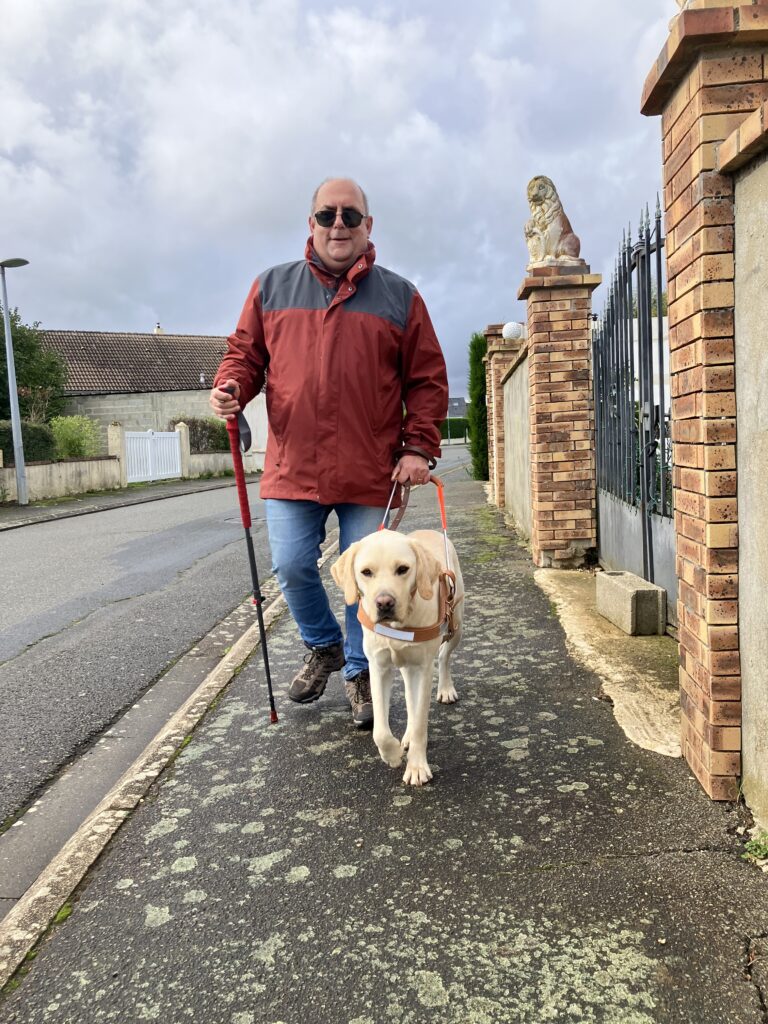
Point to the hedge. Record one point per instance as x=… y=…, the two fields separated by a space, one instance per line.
x=478 y=413
x=206 y=433
x=459 y=427
x=76 y=437
x=37 y=439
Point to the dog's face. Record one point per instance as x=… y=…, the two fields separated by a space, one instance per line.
x=387 y=570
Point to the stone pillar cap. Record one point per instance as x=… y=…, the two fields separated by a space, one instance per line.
x=558 y=276
x=692 y=31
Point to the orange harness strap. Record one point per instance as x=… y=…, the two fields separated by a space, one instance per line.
x=405 y=493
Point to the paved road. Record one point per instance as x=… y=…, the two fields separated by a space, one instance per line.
x=94 y=608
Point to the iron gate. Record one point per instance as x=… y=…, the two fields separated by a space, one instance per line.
x=632 y=413
x=152 y=455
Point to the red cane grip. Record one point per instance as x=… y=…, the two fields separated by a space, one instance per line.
x=237 y=460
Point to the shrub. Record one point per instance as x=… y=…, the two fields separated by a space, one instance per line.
x=77 y=437
x=477 y=413
x=37 y=439
x=458 y=425
x=206 y=433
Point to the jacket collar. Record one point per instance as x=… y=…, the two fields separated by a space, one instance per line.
x=351 y=274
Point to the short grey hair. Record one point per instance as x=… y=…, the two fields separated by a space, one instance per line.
x=366 y=209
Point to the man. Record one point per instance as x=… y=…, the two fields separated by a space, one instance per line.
x=343 y=345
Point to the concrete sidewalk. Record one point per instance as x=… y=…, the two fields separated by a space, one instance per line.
x=553 y=871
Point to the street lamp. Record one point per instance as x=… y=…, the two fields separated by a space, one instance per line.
x=513 y=331
x=18 y=446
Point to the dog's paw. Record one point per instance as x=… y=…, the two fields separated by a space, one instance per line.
x=391 y=752
x=447 y=695
x=417 y=774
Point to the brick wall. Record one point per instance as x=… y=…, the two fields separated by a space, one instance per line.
x=517 y=444
x=562 y=420
x=711 y=75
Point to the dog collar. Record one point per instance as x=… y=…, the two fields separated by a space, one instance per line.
x=418 y=634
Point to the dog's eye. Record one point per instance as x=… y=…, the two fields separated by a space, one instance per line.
x=401 y=570
x=366 y=572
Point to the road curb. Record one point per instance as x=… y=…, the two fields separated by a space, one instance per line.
x=142 y=499
x=27 y=922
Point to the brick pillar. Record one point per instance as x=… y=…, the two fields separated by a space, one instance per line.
x=710 y=75
x=562 y=420
x=491 y=332
x=499 y=356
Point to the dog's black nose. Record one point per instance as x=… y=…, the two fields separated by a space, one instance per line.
x=385 y=605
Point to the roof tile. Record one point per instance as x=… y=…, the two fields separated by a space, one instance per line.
x=116 y=363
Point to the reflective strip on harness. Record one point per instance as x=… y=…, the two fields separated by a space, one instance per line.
x=395 y=634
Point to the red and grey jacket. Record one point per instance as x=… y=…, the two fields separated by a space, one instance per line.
x=341 y=356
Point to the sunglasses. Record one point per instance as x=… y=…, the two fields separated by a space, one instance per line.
x=350 y=217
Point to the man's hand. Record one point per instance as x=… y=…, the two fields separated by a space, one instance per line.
x=411 y=469
x=225 y=406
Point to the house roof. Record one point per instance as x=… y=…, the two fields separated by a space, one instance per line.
x=101 y=362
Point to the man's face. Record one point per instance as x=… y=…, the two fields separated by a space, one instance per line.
x=338 y=246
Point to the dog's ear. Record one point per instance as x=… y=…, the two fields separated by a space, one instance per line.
x=343 y=571
x=427 y=570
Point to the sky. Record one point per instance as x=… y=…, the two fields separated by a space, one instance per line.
x=156 y=155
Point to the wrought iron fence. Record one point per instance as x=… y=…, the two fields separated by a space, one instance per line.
x=631 y=379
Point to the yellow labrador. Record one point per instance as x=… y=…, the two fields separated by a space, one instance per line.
x=396 y=578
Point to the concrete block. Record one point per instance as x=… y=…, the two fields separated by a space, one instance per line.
x=631 y=603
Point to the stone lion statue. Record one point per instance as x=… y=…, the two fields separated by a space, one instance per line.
x=548 y=233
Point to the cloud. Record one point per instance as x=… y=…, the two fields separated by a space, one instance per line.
x=157 y=154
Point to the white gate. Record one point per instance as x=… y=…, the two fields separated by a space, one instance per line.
x=152 y=455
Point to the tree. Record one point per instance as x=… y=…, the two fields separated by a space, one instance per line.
x=477 y=413
x=40 y=374
x=655 y=301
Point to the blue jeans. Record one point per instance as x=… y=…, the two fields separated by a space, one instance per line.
x=296 y=531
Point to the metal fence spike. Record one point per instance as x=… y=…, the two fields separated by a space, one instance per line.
x=633 y=452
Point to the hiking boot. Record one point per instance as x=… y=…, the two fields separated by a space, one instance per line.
x=309 y=683
x=358 y=691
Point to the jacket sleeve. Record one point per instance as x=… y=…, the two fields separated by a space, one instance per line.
x=424 y=381
x=246 y=358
